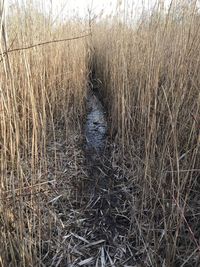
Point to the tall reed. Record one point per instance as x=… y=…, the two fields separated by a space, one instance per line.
x=151 y=74
x=40 y=88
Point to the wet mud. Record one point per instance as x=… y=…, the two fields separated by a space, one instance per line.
x=95 y=128
x=104 y=199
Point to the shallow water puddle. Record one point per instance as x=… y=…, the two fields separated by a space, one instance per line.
x=96 y=126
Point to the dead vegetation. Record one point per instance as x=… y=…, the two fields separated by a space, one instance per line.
x=52 y=213
x=150 y=73
x=41 y=101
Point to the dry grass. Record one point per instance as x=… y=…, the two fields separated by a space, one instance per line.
x=41 y=102
x=148 y=214
x=151 y=77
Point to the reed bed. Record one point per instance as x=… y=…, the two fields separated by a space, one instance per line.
x=151 y=74
x=42 y=92
x=148 y=74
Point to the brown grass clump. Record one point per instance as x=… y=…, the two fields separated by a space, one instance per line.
x=151 y=74
x=41 y=102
